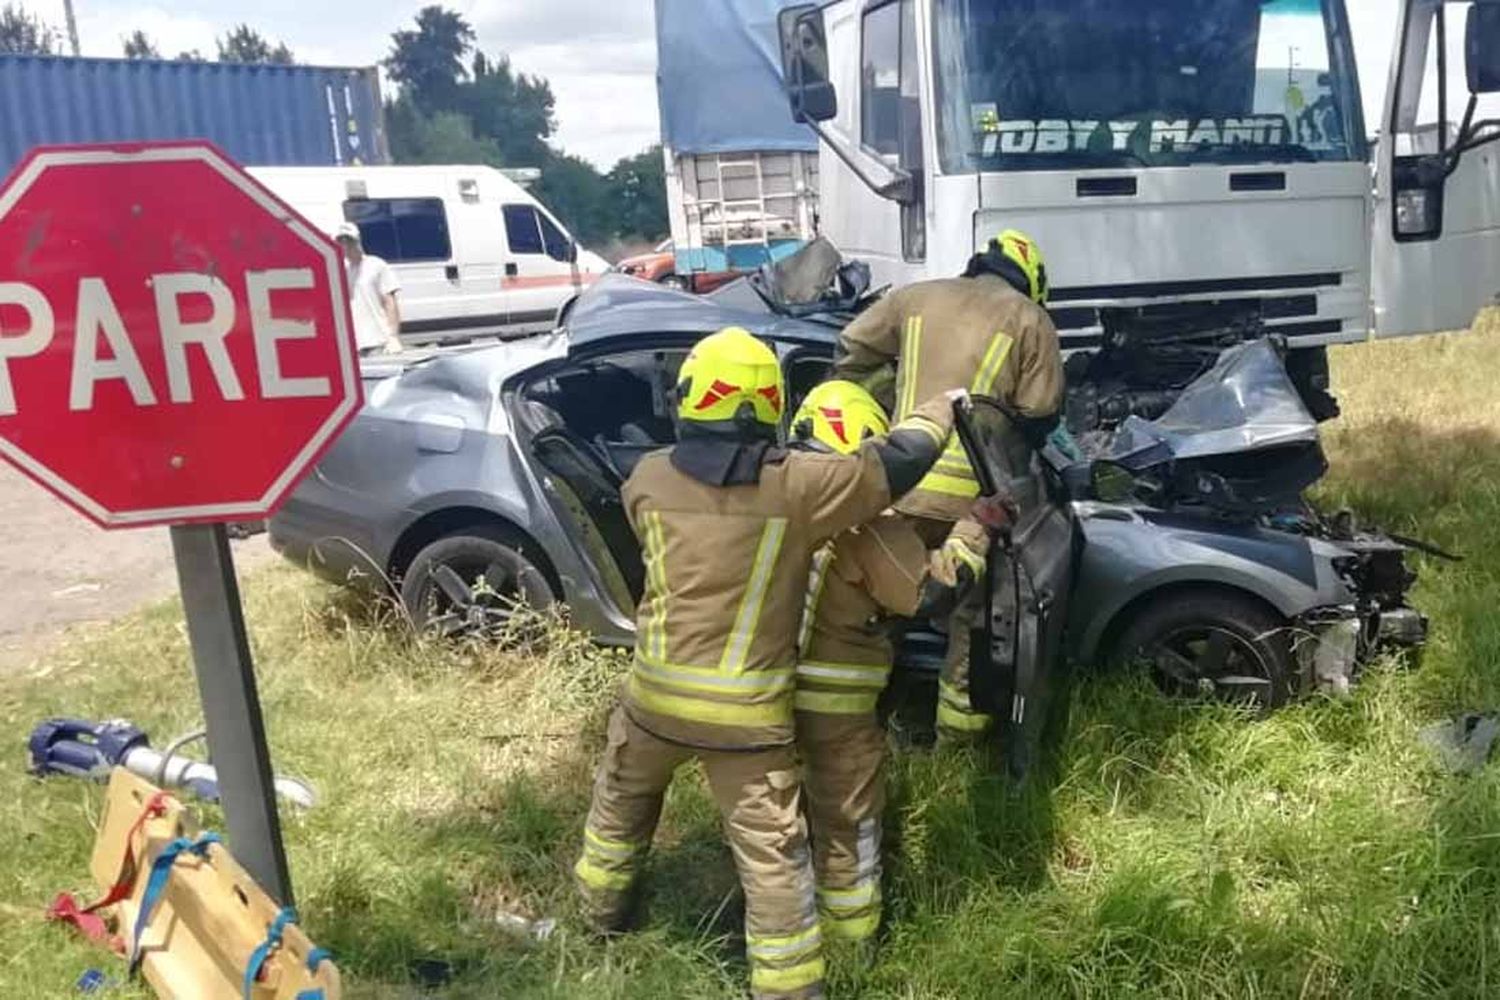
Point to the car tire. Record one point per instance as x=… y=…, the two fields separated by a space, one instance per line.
x=439 y=589
x=676 y=281
x=1212 y=644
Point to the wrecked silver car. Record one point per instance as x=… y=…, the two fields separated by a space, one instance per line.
x=1203 y=558
x=476 y=477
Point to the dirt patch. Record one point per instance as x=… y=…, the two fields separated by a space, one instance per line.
x=60 y=571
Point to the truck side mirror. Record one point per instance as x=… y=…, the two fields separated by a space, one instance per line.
x=1482 y=49
x=804 y=64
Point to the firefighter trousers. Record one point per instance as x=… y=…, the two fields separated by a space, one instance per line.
x=843 y=760
x=956 y=717
x=759 y=799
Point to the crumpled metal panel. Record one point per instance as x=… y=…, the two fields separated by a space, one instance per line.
x=259 y=115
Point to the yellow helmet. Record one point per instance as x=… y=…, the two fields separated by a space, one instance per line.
x=726 y=372
x=840 y=415
x=1022 y=251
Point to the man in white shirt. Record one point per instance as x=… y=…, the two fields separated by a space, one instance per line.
x=373 y=287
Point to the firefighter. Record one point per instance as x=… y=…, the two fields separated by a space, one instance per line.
x=728 y=523
x=987 y=331
x=860 y=581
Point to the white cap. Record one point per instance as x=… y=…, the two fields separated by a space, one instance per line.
x=347 y=231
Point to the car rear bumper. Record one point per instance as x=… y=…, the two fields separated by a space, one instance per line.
x=326 y=544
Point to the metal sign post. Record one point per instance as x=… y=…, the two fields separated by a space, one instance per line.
x=231 y=705
x=178 y=350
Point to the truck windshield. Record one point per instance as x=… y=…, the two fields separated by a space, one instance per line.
x=1046 y=85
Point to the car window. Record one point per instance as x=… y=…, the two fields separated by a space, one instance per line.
x=401 y=230
x=522 y=230
x=556 y=242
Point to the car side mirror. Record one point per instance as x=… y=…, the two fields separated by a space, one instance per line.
x=1482 y=48
x=804 y=64
x=1110 y=483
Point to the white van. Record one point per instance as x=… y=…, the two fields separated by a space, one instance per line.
x=477 y=255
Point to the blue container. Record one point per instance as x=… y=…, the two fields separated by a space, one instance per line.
x=259 y=115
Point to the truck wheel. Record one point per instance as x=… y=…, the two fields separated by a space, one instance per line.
x=472 y=582
x=1212 y=645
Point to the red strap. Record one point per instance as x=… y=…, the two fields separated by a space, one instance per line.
x=65 y=908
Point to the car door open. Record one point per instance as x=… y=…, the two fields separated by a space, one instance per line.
x=1017 y=652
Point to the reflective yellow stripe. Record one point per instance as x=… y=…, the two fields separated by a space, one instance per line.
x=829 y=703
x=654 y=638
x=871 y=675
x=786 y=980
x=711 y=680
x=719 y=713
x=817 y=578
x=936 y=482
x=737 y=649
x=848 y=899
x=595 y=877
x=906 y=398
x=772 y=946
x=989 y=368
x=953 y=718
x=924 y=425
x=958 y=550
x=853 y=928
x=953 y=695
x=604 y=845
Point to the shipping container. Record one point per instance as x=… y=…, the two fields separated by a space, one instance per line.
x=260 y=115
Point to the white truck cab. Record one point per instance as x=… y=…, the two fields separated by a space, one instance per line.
x=1195 y=161
x=477 y=255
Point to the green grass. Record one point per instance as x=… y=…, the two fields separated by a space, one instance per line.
x=1179 y=850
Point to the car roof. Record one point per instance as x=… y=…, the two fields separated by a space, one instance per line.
x=619 y=306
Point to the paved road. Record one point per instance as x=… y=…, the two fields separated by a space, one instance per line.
x=59 y=570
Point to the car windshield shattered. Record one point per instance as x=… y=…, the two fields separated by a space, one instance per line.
x=1029 y=85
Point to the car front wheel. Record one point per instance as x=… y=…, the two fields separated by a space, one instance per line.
x=1218 y=645
x=472 y=583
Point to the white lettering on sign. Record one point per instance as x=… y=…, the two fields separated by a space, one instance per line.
x=1053 y=136
x=98 y=317
x=177 y=334
x=269 y=330
x=39 y=329
x=1168 y=135
x=97 y=314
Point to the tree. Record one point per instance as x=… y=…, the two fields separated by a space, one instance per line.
x=428 y=62
x=139 y=46
x=514 y=110
x=577 y=195
x=447 y=137
x=638 y=195
x=246 y=45
x=25 y=34
x=193 y=55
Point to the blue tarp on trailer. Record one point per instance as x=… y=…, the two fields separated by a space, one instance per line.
x=719 y=78
x=259 y=115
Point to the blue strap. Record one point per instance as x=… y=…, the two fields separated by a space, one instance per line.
x=317 y=957
x=263 y=950
x=313 y=994
x=156 y=885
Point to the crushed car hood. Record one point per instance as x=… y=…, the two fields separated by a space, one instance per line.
x=1245 y=403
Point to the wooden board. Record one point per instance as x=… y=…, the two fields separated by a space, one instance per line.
x=211 y=917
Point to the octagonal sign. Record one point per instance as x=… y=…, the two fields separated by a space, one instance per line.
x=175 y=343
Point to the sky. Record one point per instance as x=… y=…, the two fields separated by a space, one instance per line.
x=599 y=55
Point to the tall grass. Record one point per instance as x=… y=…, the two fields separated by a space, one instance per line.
x=1177 y=850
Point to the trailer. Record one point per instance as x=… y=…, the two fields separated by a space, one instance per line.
x=742 y=177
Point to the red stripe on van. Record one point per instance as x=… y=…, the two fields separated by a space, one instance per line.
x=547 y=281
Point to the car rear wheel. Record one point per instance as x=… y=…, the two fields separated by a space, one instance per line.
x=1223 y=646
x=677 y=281
x=472 y=583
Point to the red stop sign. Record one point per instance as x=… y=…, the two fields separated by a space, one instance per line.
x=175 y=343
